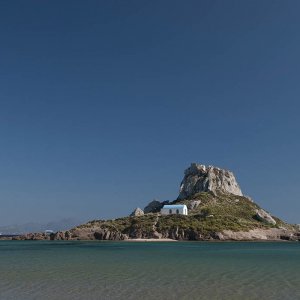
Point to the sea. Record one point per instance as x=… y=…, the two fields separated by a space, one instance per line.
x=149 y=270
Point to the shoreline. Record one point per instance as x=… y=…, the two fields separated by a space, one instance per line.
x=150 y=240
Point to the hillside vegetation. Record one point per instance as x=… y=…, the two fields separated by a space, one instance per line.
x=214 y=214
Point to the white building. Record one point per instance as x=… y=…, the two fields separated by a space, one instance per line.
x=176 y=209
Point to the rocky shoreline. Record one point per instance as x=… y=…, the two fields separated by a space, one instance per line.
x=272 y=234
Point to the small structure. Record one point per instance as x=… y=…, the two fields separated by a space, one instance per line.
x=176 y=209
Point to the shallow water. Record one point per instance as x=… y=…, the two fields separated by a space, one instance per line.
x=129 y=270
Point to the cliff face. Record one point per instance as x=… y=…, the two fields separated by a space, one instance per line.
x=199 y=178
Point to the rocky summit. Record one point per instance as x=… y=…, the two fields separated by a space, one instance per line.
x=217 y=210
x=199 y=178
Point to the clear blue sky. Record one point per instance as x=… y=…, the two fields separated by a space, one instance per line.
x=103 y=104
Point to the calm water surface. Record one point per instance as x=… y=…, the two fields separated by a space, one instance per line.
x=128 y=270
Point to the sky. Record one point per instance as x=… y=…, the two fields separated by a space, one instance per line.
x=104 y=104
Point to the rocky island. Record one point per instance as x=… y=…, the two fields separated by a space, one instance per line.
x=217 y=210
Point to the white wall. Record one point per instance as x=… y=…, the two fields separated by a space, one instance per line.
x=166 y=211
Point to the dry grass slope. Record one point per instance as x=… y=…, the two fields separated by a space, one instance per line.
x=214 y=214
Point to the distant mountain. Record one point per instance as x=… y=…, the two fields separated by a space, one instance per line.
x=63 y=224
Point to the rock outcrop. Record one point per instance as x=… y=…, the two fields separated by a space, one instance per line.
x=272 y=234
x=263 y=216
x=199 y=178
x=108 y=235
x=154 y=206
x=137 y=212
x=193 y=204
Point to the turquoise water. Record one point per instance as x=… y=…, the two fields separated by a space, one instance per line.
x=132 y=270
